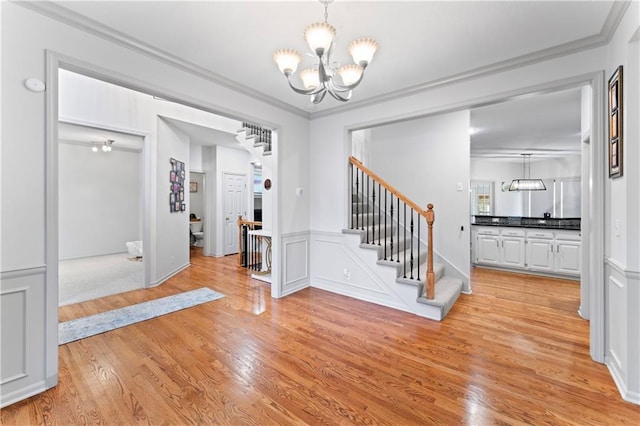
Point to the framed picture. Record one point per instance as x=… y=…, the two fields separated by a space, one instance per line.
x=615 y=124
x=193 y=186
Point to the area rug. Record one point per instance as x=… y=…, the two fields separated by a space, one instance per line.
x=80 y=328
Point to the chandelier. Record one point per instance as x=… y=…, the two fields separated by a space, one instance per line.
x=526 y=183
x=319 y=81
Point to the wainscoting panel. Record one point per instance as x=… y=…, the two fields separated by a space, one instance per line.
x=22 y=307
x=338 y=266
x=295 y=262
x=622 y=353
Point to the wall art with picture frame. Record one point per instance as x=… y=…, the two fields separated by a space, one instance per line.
x=176 y=186
x=615 y=124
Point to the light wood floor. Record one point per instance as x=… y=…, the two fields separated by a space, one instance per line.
x=514 y=352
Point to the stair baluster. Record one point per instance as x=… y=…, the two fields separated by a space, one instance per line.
x=373 y=218
x=411 y=260
x=404 y=228
x=391 y=227
x=366 y=197
x=398 y=213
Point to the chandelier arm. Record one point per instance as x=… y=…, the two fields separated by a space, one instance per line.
x=340 y=97
x=318 y=97
x=322 y=72
x=341 y=88
x=312 y=91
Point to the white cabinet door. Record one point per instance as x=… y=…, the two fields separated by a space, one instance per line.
x=488 y=250
x=540 y=255
x=513 y=252
x=567 y=258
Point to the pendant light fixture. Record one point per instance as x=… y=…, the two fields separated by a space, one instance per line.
x=526 y=183
x=320 y=80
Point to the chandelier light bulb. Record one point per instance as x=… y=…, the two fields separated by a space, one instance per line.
x=362 y=50
x=319 y=37
x=350 y=74
x=287 y=60
x=105 y=148
x=94 y=148
x=310 y=78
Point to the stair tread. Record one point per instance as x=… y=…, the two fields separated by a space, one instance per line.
x=447 y=291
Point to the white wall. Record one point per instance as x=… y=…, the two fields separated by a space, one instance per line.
x=100 y=204
x=622 y=235
x=425 y=159
x=27 y=262
x=172 y=232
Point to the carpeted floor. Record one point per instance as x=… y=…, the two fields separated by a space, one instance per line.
x=93 y=277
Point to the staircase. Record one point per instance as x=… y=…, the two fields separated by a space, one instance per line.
x=399 y=232
x=256 y=139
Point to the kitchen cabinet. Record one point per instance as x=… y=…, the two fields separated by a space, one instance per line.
x=553 y=252
x=500 y=248
x=568 y=253
x=540 y=255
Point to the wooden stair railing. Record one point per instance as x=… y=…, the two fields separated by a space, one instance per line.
x=363 y=217
x=249 y=254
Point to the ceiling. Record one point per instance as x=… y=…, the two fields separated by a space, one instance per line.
x=422 y=44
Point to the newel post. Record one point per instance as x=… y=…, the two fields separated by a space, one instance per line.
x=431 y=281
x=239 y=241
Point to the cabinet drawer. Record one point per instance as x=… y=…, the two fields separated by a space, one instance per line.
x=568 y=236
x=512 y=232
x=488 y=231
x=546 y=235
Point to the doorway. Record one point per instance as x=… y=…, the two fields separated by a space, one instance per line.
x=234 y=205
x=100 y=213
x=198 y=220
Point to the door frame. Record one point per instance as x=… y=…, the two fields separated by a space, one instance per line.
x=592 y=277
x=245 y=203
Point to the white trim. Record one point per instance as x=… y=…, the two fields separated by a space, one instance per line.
x=96 y=28
x=627 y=395
x=89 y=145
x=7 y=399
x=170 y=274
x=614 y=18
x=23 y=272
x=51 y=218
x=619 y=268
x=23 y=320
x=305 y=275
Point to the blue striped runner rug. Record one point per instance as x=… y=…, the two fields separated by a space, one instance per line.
x=80 y=328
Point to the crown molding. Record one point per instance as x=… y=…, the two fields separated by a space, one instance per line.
x=68 y=17
x=609 y=27
x=90 y=26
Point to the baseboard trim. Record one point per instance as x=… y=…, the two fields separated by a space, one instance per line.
x=7 y=399
x=625 y=393
x=170 y=274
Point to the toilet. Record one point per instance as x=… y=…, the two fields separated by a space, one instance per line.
x=134 y=248
x=196 y=231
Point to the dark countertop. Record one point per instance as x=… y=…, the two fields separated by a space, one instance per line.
x=569 y=224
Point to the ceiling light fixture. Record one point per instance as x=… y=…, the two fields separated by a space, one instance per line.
x=527 y=184
x=106 y=146
x=320 y=80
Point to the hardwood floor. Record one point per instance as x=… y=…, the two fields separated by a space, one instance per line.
x=514 y=352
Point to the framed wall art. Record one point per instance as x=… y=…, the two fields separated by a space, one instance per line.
x=176 y=188
x=615 y=124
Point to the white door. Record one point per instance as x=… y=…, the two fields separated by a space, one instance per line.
x=235 y=204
